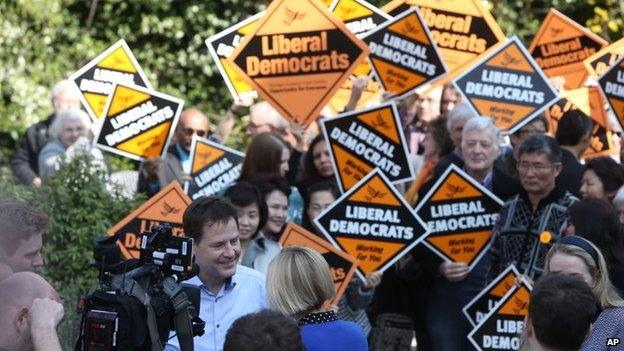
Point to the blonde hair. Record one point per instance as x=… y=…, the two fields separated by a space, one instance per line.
x=603 y=289
x=299 y=281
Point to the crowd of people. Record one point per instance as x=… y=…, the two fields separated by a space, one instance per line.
x=560 y=225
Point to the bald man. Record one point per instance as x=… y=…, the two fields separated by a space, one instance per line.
x=157 y=172
x=29 y=315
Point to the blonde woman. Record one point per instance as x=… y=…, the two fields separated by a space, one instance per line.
x=299 y=284
x=578 y=256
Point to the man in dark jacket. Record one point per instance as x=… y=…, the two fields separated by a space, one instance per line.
x=573 y=135
x=24 y=163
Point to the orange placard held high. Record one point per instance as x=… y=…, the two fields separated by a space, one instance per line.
x=360 y=17
x=373 y=223
x=507 y=85
x=561 y=45
x=342 y=266
x=403 y=54
x=590 y=103
x=138 y=123
x=221 y=46
x=598 y=63
x=298 y=57
x=167 y=206
x=96 y=79
x=462 y=29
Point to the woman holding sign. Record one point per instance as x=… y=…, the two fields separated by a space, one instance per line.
x=299 y=284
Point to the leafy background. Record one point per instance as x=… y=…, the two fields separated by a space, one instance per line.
x=43 y=41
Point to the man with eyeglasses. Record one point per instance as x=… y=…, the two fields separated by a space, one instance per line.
x=530 y=222
x=155 y=173
x=507 y=160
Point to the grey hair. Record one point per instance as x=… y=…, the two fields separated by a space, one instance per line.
x=482 y=123
x=65 y=85
x=541 y=144
x=618 y=200
x=274 y=117
x=68 y=115
x=460 y=112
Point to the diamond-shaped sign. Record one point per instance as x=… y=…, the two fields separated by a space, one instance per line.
x=373 y=223
x=507 y=85
x=297 y=57
x=221 y=47
x=561 y=45
x=462 y=29
x=363 y=140
x=459 y=213
x=612 y=85
x=598 y=63
x=213 y=167
x=342 y=266
x=138 y=122
x=481 y=304
x=358 y=15
x=116 y=65
x=591 y=104
x=167 y=206
x=403 y=55
x=502 y=328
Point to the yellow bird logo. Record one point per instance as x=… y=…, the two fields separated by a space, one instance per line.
x=521 y=306
x=380 y=123
x=554 y=32
x=454 y=190
x=374 y=194
x=168 y=209
x=292 y=16
x=409 y=28
x=509 y=60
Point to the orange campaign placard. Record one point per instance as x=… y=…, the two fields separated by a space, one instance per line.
x=221 y=47
x=462 y=29
x=138 y=123
x=373 y=223
x=483 y=303
x=459 y=213
x=507 y=85
x=561 y=45
x=167 y=206
x=359 y=17
x=363 y=140
x=342 y=266
x=590 y=103
x=297 y=57
x=403 y=55
x=96 y=79
x=598 y=63
x=502 y=328
x=213 y=167
x=612 y=86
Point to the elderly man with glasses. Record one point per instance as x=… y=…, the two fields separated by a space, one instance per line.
x=530 y=222
x=155 y=173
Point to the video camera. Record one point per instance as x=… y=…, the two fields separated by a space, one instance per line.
x=140 y=301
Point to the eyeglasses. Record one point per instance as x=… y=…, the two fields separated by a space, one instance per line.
x=524 y=167
x=191 y=131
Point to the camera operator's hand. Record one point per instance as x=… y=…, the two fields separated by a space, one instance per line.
x=44 y=315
